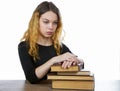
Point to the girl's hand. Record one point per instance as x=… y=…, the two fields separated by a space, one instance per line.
x=67 y=59
x=73 y=61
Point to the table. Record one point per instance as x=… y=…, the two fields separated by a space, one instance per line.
x=23 y=85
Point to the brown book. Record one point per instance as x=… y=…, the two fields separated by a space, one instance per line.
x=83 y=85
x=81 y=72
x=58 y=68
x=54 y=76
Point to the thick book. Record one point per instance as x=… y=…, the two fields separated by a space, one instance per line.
x=58 y=68
x=83 y=85
x=81 y=72
x=54 y=76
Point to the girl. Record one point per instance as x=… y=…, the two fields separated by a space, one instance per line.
x=41 y=47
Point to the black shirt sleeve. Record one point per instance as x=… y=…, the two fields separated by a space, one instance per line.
x=27 y=63
x=65 y=49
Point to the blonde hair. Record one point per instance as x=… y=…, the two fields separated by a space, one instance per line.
x=32 y=33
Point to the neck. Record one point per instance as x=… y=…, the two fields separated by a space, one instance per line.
x=44 y=41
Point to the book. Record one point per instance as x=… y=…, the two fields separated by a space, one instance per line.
x=71 y=78
x=81 y=72
x=54 y=76
x=63 y=84
x=58 y=68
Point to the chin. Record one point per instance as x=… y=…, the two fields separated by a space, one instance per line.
x=48 y=36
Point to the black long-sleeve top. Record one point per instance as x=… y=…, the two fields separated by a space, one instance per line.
x=28 y=64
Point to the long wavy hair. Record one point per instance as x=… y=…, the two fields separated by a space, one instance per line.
x=32 y=34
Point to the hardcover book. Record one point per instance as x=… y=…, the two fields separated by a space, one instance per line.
x=54 y=76
x=63 y=84
x=58 y=68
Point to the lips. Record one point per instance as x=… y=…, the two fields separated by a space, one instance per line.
x=49 y=33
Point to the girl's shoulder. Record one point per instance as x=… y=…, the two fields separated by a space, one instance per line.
x=23 y=44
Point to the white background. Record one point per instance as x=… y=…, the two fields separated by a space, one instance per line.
x=91 y=32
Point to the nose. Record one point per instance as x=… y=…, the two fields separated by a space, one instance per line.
x=50 y=26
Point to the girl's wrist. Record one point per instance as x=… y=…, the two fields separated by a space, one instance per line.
x=53 y=60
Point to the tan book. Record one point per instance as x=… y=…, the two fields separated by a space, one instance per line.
x=54 y=76
x=81 y=72
x=83 y=85
x=58 y=68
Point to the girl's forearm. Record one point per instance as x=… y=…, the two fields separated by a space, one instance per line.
x=42 y=70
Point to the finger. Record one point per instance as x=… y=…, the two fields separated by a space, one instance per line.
x=66 y=64
x=74 y=60
x=63 y=64
x=74 y=63
x=69 y=64
x=78 y=61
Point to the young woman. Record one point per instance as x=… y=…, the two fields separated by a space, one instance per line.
x=40 y=46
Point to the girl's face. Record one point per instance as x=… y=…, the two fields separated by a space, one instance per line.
x=48 y=23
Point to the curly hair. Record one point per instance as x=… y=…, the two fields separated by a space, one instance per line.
x=32 y=34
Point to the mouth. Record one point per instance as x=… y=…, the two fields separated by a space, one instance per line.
x=49 y=33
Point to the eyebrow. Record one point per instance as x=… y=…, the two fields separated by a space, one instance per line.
x=48 y=19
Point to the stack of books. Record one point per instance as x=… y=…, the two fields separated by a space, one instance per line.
x=71 y=78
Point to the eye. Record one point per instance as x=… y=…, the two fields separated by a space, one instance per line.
x=55 y=23
x=46 y=22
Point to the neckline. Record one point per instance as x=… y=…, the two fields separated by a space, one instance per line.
x=45 y=45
